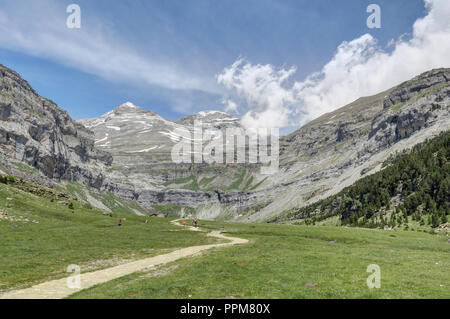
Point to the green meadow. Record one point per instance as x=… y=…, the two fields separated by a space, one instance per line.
x=287 y=261
x=40 y=237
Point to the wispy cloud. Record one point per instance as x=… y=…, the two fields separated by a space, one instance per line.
x=39 y=28
x=359 y=68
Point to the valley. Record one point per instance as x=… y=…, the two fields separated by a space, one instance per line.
x=366 y=184
x=43 y=237
x=285 y=261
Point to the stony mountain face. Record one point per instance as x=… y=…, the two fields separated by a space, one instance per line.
x=129 y=133
x=141 y=142
x=413 y=105
x=316 y=161
x=35 y=131
x=338 y=148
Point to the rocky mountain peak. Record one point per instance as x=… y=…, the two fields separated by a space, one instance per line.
x=213 y=113
x=215 y=119
x=128 y=107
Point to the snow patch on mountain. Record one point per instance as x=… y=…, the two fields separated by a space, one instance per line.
x=103 y=139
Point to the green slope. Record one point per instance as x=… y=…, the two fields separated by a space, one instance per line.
x=413 y=191
x=39 y=237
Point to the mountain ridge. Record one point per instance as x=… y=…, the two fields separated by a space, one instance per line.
x=127 y=151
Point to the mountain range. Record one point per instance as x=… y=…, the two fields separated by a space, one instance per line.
x=124 y=156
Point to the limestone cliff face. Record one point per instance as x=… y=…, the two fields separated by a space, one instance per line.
x=420 y=103
x=35 y=131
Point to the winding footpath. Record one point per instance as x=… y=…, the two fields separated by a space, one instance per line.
x=58 y=289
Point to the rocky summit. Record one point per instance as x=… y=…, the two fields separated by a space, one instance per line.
x=127 y=151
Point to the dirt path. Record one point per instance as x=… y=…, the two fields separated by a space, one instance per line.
x=57 y=289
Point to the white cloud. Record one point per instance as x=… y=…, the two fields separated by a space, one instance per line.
x=39 y=28
x=264 y=90
x=230 y=106
x=359 y=68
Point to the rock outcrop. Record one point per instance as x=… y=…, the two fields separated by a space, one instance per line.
x=35 y=131
x=412 y=106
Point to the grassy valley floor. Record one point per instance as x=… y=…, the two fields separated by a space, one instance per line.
x=40 y=238
x=285 y=261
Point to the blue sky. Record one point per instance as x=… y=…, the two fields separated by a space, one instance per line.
x=166 y=55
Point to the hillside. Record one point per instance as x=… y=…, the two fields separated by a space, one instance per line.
x=43 y=231
x=335 y=150
x=412 y=191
